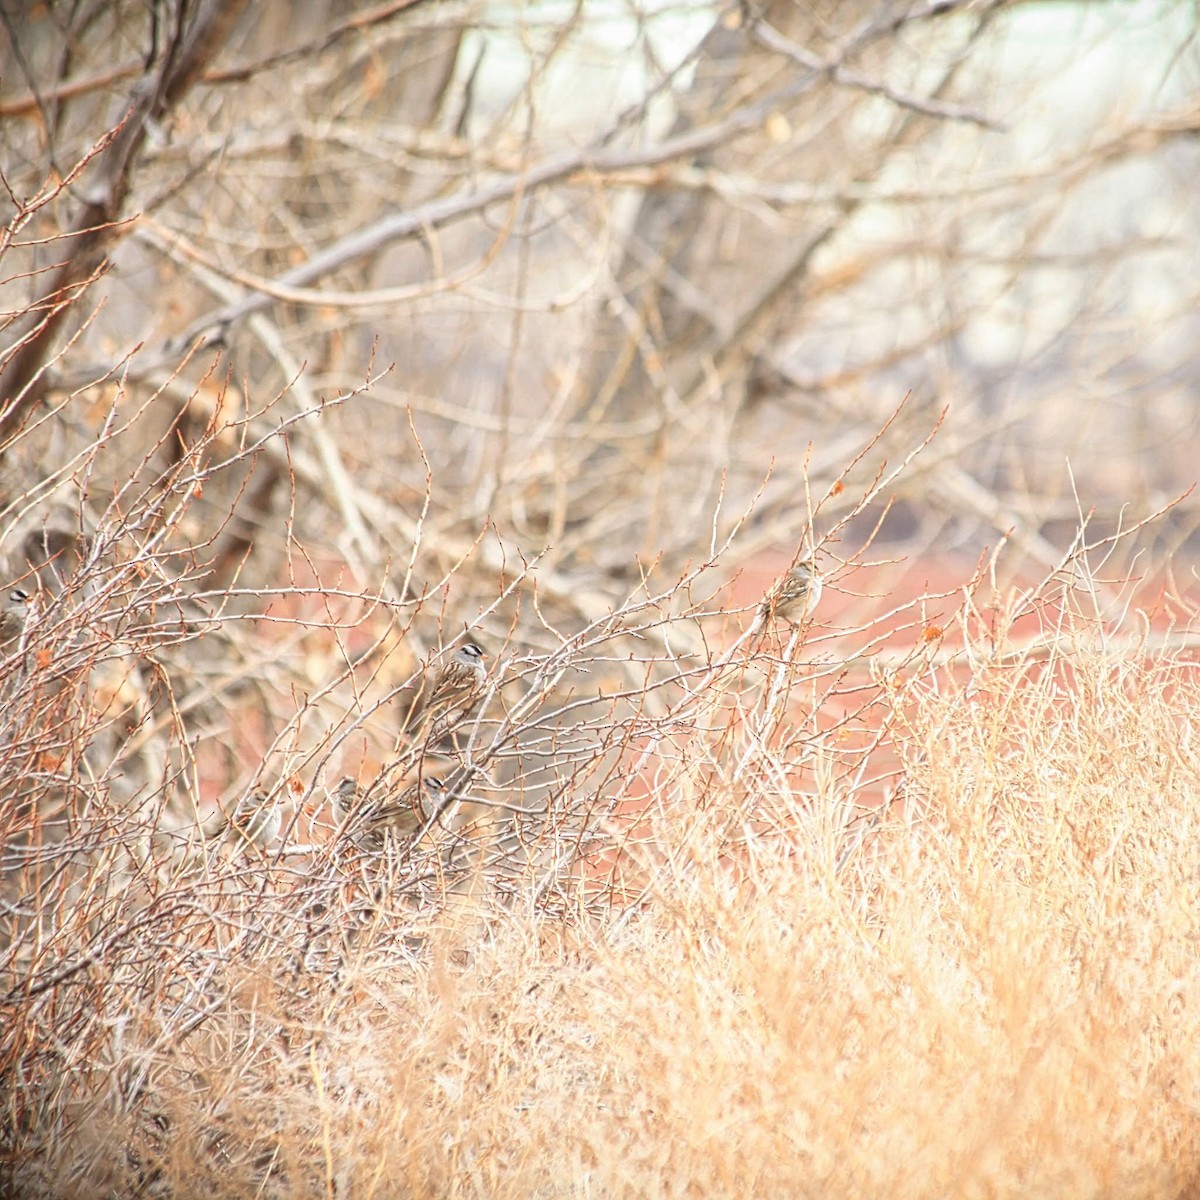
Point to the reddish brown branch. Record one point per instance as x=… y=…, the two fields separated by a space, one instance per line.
x=86 y=243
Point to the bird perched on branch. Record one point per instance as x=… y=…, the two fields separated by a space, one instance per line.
x=255 y=820
x=449 y=696
x=14 y=612
x=370 y=820
x=795 y=596
x=346 y=800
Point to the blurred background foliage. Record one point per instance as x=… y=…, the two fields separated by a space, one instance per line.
x=609 y=263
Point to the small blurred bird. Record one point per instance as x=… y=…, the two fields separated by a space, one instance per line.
x=448 y=698
x=254 y=821
x=14 y=612
x=795 y=596
x=370 y=821
x=345 y=799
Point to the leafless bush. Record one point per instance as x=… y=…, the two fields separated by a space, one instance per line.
x=184 y=1014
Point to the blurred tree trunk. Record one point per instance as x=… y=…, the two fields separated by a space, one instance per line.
x=715 y=276
x=104 y=188
x=696 y=267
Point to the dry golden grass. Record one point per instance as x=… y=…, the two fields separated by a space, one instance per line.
x=989 y=991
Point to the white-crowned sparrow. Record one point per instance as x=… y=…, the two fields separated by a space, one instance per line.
x=449 y=695
x=795 y=596
x=14 y=612
x=345 y=800
x=370 y=820
x=255 y=820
